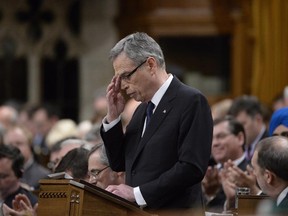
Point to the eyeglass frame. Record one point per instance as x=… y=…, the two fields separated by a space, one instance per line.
x=96 y=173
x=126 y=76
x=222 y=135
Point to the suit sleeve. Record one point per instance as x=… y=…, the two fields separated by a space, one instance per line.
x=113 y=141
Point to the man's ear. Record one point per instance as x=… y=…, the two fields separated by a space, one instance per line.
x=258 y=118
x=269 y=176
x=241 y=137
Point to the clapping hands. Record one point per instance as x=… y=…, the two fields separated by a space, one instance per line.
x=21 y=207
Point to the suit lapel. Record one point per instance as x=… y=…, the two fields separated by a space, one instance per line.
x=161 y=112
x=284 y=203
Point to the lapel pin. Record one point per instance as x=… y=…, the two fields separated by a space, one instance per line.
x=164 y=111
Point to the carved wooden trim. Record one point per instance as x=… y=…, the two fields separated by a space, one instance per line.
x=74 y=203
x=75 y=197
x=52 y=195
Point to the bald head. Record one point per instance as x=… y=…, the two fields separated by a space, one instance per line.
x=8 y=116
x=272 y=154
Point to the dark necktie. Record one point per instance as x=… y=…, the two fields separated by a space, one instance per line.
x=149 y=112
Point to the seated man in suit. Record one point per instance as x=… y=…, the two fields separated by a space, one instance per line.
x=270 y=164
x=11 y=170
x=21 y=207
x=248 y=110
x=100 y=172
x=61 y=148
x=21 y=138
x=75 y=164
x=227 y=145
x=270 y=169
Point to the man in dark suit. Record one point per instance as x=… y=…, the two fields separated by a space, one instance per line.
x=11 y=170
x=227 y=145
x=249 y=112
x=21 y=138
x=165 y=158
x=270 y=163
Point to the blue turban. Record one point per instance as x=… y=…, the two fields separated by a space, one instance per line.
x=279 y=117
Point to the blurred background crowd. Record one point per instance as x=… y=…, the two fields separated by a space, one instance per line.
x=54 y=69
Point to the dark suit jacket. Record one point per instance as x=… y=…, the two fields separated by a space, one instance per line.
x=264 y=135
x=33 y=174
x=170 y=160
x=33 y=199
x=282 y=208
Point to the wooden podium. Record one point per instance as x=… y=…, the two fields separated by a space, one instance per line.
x=76 y=198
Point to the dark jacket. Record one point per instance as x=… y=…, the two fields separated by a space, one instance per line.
x=170 y=160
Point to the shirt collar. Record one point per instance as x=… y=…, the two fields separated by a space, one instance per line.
x=161 y=91
x=28 y=163
x=282 y=195
x=253 y=144
x=239 y=160
x=236 y=162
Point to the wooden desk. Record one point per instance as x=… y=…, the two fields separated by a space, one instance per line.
x=247 y=204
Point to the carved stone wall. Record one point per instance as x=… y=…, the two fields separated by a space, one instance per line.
x=32 y=29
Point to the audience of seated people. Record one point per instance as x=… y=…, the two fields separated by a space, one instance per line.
x=235 y=177
x=231 y=151
x=270 y=169
x=227 y=144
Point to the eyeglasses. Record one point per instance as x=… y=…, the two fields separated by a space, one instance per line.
x=126 y=76
x=95 y=173
x=221 y=136
x=284 y=133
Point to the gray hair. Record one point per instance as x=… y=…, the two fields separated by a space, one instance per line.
x=138 y=47
x=273 y=155
x=75 y=141
x=103 y=156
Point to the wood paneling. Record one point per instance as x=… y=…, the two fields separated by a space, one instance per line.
x=197 y=18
